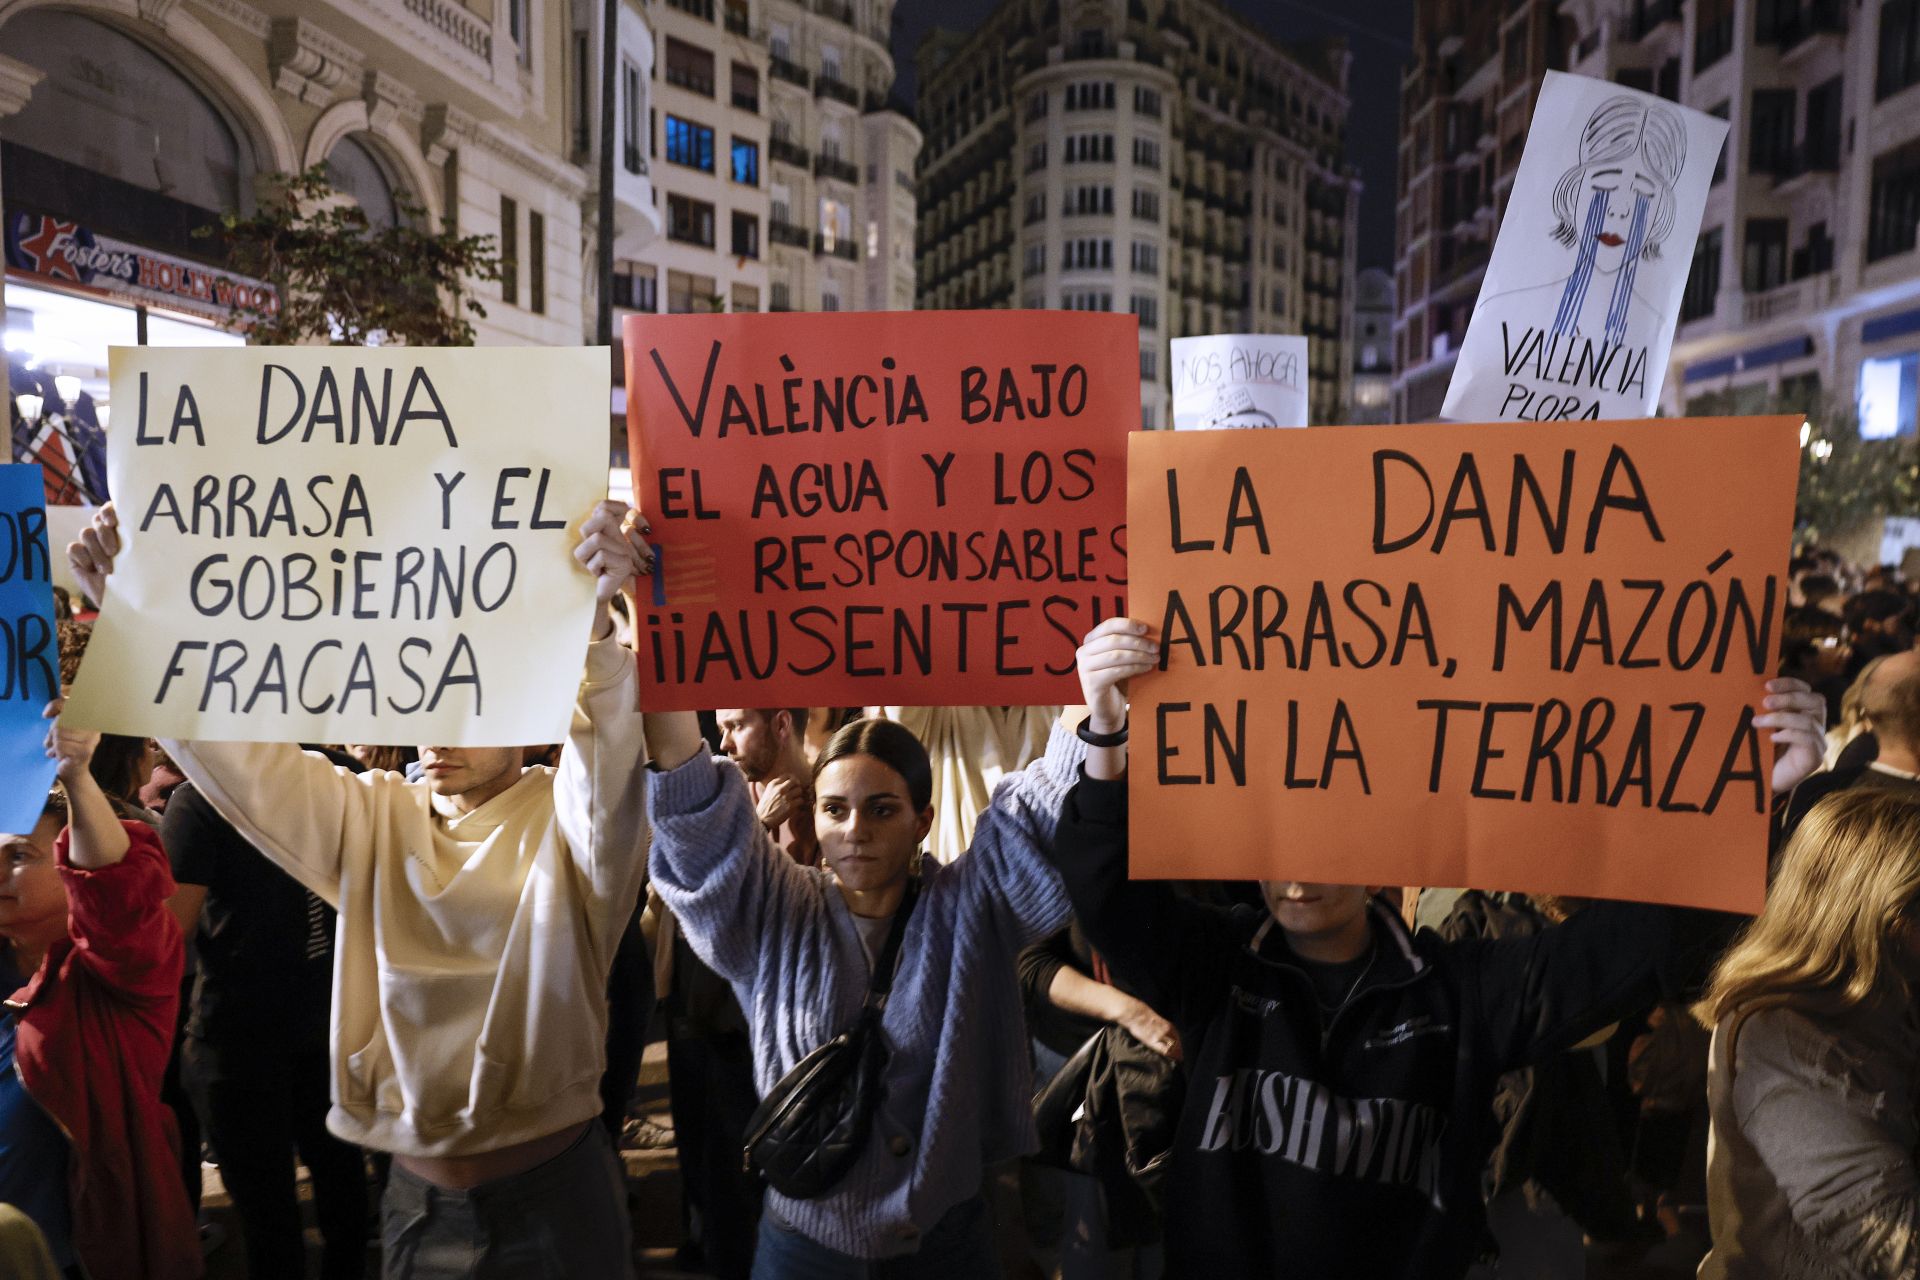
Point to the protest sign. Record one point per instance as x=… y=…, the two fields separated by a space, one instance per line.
x=924 y=508
x=1581 y=295
x=29 y=648
x=1505 y=656
x=1239 y=380
x=346 y=544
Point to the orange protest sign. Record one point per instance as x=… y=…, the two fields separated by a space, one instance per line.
x=922 y=508
x=1512 y=657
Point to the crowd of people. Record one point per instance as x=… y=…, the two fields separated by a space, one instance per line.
x=920 y=1022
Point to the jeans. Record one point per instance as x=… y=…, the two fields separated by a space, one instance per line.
x=562 y=1220
x=959 y=1247
x=713 y=1098
x=259 y=1106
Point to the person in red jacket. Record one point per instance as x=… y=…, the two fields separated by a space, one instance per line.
x=86 y=938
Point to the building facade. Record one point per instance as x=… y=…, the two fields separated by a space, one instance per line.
x=1372 y=400
x=783 y=168
x=1805 y=286
x=1155 y=156
x=1466 y=100
x=124 y=128
x=1805 y=279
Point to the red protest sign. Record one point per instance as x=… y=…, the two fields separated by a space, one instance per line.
x=922 y=508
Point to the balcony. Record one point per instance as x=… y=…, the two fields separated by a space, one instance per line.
x=837 y=247
x=1808 y=158
x=839 y=10
x=1644 y=17
x=698 y=8
x=826 y=166
x=789 y=234
x=826 y=86
x=792 y=72
x=785 y=152
x=738 y=23
x=1810 y=21
x=1797 y=298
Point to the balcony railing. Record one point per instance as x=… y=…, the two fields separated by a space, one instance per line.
x=786 y=152
x=838 y=247
x=838 y=10
x=826 y=166
x=792 y=72
x=826 y=86
x=788 y=233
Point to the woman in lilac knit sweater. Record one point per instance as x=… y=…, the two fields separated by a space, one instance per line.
x=796 y=944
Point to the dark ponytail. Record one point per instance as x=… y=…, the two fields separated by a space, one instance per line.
x=890 y=743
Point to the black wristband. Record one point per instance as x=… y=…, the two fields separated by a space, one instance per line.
x=1115 y=739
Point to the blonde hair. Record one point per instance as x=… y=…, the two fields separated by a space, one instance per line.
x=1853 y=703
x=1839 y=898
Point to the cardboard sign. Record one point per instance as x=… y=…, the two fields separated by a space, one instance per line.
x=344 y=544
x=1510 y=657
x=1580 y=299
x=1239 y=380
x=920 y=508
x=29 y=648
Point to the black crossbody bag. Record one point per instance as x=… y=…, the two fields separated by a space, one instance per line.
x=810 y=1129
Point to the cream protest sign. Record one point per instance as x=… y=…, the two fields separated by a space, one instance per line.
x=1580 y=299
x=1239 y=380
x=342 y=544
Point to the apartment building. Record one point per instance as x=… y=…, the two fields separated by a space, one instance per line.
x=1372 y=400
x=1466 y=100
x=1157 y=156
x=782 y=168
x=1805 y=281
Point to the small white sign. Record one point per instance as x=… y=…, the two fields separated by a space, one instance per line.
x=1239 y=380
x=1577 y=311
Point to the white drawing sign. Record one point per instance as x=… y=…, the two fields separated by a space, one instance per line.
x=1577 y=311
x=1239 y=380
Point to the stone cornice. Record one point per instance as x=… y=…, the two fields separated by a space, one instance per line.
x=309 y=64
x=16 y=84
x=240 y=14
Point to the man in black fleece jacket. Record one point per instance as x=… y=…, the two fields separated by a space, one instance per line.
x=1338 y=1117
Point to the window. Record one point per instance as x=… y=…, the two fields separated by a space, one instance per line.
x=1089 y=95
x=1037 y=106
x=1036 y=207
x=1899 y=47
x=1893 y=207
x=583 y=99
x=745 y=298
x=1147 y=307
x=687 y=292
x=509 y=251
x=1770 y=137
x=746 y=87
x=1146 y=417
x=1146 y=101
x=1036 y=259
x=1146 y=153
x=1146 y=258
x=779 y=298
x=1763 y=265
x=690 y=221
x=746 y=162
x=1088 y=254
x=519 y=30
x=1889 y=397
x=630 y=99
x=537 y=263
x=1036 y=156
x=746 y=237
x=1089 y=148
x=1089 y=200
x=689 y=143
x=690 y=67
x=1822 y=135
x=829 y=302
x=1087 y=300
x=636 y=287
x=1703 y=280
x=1713 y=33
x=1146 y=204
x=1149 y=364
x=836 y=223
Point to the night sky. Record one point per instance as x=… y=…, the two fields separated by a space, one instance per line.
x=1380 y=42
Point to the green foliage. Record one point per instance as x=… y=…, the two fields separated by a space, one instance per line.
x=346 y=282
x=1844 y=481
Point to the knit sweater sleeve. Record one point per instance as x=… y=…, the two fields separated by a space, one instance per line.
x=716 y=868
x=599 y=791
x=1005 y=871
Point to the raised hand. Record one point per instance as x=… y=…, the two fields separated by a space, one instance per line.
x=1113 y=653
x=614 y=552
x=1798 y=718
x=91 y=556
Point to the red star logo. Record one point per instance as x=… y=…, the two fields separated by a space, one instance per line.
x=46 y=251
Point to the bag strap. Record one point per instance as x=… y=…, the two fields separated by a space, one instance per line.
x=889 y=957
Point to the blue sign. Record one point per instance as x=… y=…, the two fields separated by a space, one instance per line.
x=29 y=648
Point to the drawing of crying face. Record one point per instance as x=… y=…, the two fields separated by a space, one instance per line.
x=1619 y=194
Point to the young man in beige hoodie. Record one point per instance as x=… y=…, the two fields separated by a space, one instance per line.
x=479 y=909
